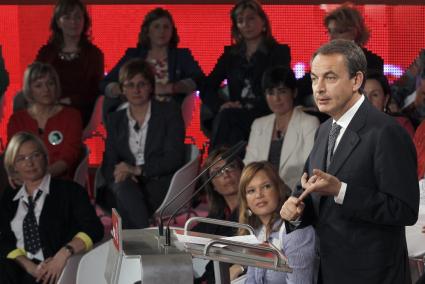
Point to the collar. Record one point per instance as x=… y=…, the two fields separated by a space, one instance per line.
x=133 y=122
x=346 y=118
x=44 y=187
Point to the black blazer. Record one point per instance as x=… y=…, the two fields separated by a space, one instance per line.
x=363 y=240
x=66 y=211
x=164 y=149
x=233 y=66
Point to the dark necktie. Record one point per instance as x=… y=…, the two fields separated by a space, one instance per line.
x=333 y=134
x=32 y=241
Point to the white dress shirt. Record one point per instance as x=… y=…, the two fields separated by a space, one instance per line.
x=344 y=121
x=137 y=139
x=17 y=222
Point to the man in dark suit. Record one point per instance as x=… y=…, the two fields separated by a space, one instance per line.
x=360 y=187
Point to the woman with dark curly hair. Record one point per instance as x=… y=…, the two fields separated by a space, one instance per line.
x=78 y=62
x=176 y=71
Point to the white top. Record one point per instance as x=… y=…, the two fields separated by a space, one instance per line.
x=137 y=139
x=17 y=222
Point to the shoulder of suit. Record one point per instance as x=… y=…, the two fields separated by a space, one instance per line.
x=264 y=120
x=64 y=187
x=164 y=107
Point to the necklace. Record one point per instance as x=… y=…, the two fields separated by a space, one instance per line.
x=69 y=56
x=280 y=133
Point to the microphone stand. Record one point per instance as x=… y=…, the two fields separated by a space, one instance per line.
x=229 y=154
x=167 y=228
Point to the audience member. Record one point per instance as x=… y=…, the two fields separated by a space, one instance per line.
x=261 y=192
x=345 y=22
x=177 y=73
x=144 y=146
x=286 y=136
x=44 y=222
x=4 y=75
x=360 y=186
x=223 y=203
x=242 y=65
x=79 y=63
x=378 y=92
x=49 y=120
x=416 y=110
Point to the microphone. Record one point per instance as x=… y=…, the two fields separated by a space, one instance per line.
x=228 y=156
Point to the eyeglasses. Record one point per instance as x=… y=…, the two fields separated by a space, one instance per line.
x=132 y=86
x=227 y=169
x=20 y=160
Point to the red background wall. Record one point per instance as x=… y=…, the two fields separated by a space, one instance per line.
x=396 y=34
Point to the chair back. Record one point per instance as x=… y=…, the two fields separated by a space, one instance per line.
x=82 y=170
x=95 y=119
x=180 y=179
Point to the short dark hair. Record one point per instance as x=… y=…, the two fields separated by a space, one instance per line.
x=381 y=79
x=256 y=7
x=349 y=17
x=137 y=66
x=64 y=7
x=279 y=76
x=352 y=53
x=155 y=14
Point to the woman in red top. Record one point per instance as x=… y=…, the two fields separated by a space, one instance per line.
x=58 y=126
x=79 y=63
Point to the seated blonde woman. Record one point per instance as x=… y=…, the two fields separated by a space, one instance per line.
x=45 y=221
x=58 y=126
x=261 y=194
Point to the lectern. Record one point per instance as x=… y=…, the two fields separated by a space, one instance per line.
x=143 y=253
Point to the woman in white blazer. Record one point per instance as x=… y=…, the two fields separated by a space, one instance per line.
x=285 y=137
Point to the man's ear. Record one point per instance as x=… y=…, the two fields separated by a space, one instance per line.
x=358 y=80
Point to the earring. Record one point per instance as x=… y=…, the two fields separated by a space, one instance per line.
x=249 y=212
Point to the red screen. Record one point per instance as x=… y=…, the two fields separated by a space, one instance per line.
x=396 y=35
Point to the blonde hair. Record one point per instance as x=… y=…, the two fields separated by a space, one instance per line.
x=248 y=173
x=38 y=70
x=15 y=144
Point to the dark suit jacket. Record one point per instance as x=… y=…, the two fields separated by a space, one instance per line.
x=233 y=66
x=363 y=240
x=66 y=211
x=164 y=149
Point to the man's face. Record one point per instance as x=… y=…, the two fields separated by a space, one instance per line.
x=333 y=89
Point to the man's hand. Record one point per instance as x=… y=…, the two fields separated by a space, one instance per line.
x=292 y=209
x=321 y=183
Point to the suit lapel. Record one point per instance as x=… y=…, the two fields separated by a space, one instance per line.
x=153 y=129
x=123 y=135
x=291 y=139
x=266 y=137
x=349 y=140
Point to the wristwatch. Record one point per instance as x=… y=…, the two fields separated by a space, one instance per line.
x=70 y=249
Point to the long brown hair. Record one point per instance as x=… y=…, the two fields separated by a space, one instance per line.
x=254 y=5
x=216 y=202
x=248 y=173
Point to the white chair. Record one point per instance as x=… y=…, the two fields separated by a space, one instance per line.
x=239 y=280
x=92 y=265
x=180 y=179
x=68 y=275
x=95 y=119
x=81 y=174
